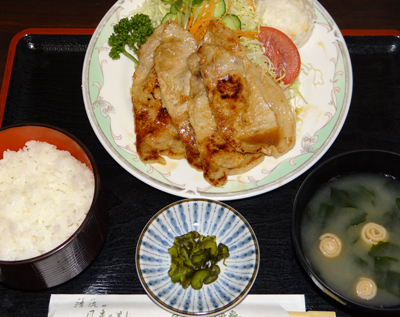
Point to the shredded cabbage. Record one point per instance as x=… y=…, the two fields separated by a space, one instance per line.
x=244 y=10
x=293 y=94
x=155 y=9
x=318 y=79
x=255 y=53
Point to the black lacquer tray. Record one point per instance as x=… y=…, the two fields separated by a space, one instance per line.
x=43 y=84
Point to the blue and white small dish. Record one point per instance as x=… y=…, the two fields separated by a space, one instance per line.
x=208 y=218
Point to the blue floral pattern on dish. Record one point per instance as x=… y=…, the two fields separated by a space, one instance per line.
x=208 y=218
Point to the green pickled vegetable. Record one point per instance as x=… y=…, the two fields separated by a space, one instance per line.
x=199 y=277
x=194 y=259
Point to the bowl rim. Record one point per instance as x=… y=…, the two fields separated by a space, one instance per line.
x=91 y=210
x=296 y=239
x=238 y=299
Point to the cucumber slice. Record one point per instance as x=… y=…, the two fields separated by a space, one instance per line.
x=169 y=17
x=220 y=9
x=232 y=21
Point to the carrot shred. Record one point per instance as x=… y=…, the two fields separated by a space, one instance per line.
x=248 y=34
x=252 y=4
x=198 y=26
x=191 y=18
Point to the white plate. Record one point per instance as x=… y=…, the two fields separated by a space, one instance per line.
x=326 y=84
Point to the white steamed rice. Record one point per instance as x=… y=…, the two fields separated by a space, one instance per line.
x=45 y=195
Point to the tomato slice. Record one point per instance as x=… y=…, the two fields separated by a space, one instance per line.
x=282 y=52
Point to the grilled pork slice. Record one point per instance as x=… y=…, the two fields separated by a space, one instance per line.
x=249 y=107
x=174 y=78
x=219 y=158
x=156 y=134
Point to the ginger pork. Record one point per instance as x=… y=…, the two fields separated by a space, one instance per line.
x=249 y=107
x=156 y=135
x=174 y=76
x=219 y=158
x=208 y=103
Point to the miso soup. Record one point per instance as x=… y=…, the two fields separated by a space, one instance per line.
x=350 y=233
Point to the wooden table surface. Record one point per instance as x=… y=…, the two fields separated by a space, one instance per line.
x=17 y=15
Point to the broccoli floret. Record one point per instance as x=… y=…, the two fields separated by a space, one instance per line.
x=132 y=32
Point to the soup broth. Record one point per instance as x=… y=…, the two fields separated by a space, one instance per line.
x=342 y=207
